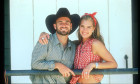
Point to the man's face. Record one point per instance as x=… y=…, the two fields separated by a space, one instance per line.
x=63 y=26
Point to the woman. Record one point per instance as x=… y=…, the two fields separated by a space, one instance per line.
x=91 y=51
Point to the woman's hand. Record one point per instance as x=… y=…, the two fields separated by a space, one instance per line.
x=43 y=39
x=86 y=71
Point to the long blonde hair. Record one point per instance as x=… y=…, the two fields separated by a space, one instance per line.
x=96 y=34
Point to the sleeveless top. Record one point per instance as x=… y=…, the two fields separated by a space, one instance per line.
x=83 y=57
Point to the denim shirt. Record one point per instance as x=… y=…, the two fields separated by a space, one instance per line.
x=45 y=56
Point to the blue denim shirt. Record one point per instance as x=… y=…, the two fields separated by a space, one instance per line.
x=45 y=56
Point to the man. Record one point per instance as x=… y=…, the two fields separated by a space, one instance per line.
x=59 y=52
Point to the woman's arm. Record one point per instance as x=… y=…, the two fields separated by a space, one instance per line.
x=99 y=49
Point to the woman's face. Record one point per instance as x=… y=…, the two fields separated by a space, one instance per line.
x=86 y=28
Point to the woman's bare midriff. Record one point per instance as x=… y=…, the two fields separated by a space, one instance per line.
x=91 y=79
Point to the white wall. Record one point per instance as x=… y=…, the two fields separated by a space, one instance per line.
x=27 y=21
x=21 y=34
x=120 y=37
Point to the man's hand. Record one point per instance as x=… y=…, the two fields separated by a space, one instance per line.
x=65 y=71
x=43 y=39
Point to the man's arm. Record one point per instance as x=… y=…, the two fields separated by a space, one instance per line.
x=38 y=61
x=44 y=37
x=38 y=58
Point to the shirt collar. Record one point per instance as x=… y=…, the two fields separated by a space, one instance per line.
x=56 y=41
x=69 y=43
x=86 y=42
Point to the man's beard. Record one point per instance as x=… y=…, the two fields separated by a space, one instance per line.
x=64 y=33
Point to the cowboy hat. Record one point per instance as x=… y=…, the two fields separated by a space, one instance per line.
x=62 y=12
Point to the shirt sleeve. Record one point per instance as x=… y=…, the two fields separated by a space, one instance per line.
x=39 y=61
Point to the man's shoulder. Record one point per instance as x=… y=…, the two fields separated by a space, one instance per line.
x=51 y=37
x=72 y=43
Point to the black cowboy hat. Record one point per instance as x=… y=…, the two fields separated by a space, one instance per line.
x=62 y=12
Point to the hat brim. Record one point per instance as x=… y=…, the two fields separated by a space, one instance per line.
x=50 y=20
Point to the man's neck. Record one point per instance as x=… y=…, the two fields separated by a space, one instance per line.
x=63 y=39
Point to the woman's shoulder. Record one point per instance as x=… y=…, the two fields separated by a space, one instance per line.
x=97 y=46
x=97 y=43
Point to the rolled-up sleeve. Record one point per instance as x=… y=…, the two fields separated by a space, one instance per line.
x=39 y=61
